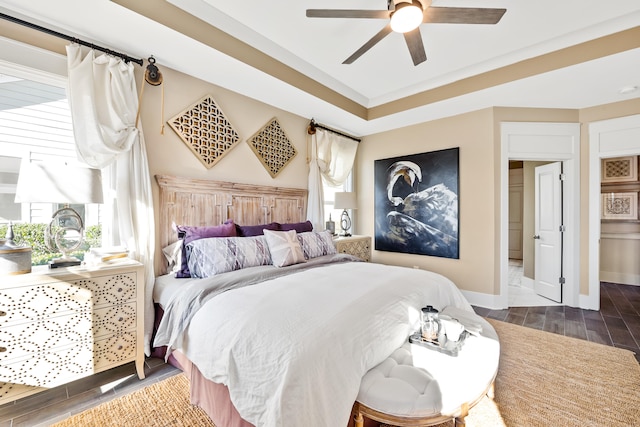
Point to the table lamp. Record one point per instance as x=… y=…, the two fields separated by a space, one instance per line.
x=60 y=183
x=344 y=201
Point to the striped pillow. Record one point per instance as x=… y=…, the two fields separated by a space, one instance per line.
x=316 y=243
x=208 y=257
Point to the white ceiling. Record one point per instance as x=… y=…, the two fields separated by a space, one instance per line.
x=316 y=47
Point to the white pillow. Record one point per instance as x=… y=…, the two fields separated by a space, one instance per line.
x=284 y=247
x=317 y=243
x=173 y=254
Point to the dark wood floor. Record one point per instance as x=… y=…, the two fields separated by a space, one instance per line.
x=616 y=324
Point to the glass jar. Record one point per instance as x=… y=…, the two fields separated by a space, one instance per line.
x=430 y=324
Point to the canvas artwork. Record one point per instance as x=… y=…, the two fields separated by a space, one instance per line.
x=417 y=204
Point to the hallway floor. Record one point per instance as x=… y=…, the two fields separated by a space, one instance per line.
x=522 y=296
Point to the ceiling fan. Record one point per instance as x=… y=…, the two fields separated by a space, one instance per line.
x=405 y=16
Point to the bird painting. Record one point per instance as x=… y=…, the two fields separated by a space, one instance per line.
x=417 y=204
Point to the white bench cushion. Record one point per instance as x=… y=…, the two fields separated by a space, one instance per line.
x=417 y=382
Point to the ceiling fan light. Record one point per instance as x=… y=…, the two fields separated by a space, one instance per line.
x=406 y=17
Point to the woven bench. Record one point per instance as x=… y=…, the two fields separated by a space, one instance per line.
x=418 y=386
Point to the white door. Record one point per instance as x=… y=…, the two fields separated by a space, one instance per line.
x=548 y=234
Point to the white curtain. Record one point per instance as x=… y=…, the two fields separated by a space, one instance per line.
x=104 y=103
x=331 y=159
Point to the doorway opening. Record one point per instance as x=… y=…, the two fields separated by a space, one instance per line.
x=526 y=275
x=607 y=139
x=556 y=142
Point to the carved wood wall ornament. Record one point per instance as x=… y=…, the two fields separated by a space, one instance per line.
x=272 y=147
x=204 y=128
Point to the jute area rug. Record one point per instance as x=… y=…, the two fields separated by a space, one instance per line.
x=544 y=380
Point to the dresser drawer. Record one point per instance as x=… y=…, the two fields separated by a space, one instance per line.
x=113 y=320
x=38 y=338
x=110 y=290
x=38 y=302
x=359 y=246
x=11 y=391
x=114 y=350
x=50 y=368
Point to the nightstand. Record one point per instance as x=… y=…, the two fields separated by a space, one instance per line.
x=359 y=246
x=60 y=325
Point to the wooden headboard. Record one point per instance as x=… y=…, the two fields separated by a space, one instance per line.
x=200 y=202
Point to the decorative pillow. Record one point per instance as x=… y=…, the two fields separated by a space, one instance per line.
x=208 y=257
x=317 y=243
x=173 y=254
x=300 y=227
x=192 y=233
x=284 y=247
x=255 y=230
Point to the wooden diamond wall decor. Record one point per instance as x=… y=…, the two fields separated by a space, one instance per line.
x=272 y=147
x=204 y=128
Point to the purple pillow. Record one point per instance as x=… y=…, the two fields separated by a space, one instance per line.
x=300 y=227
x=256 y=230
x=191 y=233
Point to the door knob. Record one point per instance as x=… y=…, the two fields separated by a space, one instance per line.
x=536 y=236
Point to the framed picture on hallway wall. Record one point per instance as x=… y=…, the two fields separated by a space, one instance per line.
x=417 y=204
x=620 y=169
x=620 y=205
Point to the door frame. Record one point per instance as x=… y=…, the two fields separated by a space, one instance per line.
x=534 y=141
x=607 y=138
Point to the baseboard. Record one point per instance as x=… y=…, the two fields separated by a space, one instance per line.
x=492 y=302
x=622 y=278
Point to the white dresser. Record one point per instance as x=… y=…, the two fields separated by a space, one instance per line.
x=359 y=246
x=60 y=325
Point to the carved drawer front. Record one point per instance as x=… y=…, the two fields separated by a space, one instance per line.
x=50 y=368
x=114 y=350
x=114 y=319
x=37 y=339
x=356 y=247
x=110 y=290
x=33 y=303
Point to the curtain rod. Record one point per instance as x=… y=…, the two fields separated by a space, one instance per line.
x=125 y=57
x=313 y=125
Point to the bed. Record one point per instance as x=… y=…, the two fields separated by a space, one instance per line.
x=268 y=342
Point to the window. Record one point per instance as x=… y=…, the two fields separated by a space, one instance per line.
x=329 y=198
x=35 y=125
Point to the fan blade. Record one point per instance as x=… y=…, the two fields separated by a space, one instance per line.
x=347 y=13
x=368 y=45
x=416 y=48
x=462 y=15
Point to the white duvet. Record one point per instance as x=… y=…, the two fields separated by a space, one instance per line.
x=292 y=350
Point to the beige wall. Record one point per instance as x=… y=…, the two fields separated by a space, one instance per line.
x=473 y=133
x=169 y=155
x=478 y=136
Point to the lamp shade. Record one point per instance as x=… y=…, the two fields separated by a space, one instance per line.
x=345 y=200
x=41 y=182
